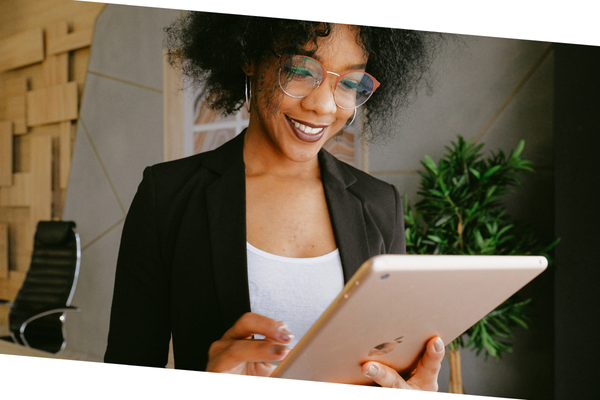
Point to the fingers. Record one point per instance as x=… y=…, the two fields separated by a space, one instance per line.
x=260 y=369
x=236 y=352
x=423 y=378
x=383 y=375
x=426 y=374
x=251 y=324
x=227 y=355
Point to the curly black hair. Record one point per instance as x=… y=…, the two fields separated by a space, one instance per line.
x=211 y=48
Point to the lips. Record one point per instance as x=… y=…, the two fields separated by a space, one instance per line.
x=305 y=131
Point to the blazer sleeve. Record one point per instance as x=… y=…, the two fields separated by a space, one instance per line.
x=140 y=331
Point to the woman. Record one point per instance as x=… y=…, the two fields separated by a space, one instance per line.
x=217 y=247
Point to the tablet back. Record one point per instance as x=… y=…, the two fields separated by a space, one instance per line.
x=395 y=303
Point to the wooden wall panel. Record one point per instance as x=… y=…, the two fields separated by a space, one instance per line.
x=19 y=194
x=79 y=70
x=53 y=104
x=56 y=69
x=15 y=86
x=72 y=41
x=55 y=32
x=41 y=179
x=16 y=111
x=65 y=153
x=3 y=250
x=20 y=236
x=6 y=153
x=35 y=13
x=10 y=287
x=22 y=49
x=21 y=144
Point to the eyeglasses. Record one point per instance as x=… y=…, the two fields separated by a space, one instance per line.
x=300 y=76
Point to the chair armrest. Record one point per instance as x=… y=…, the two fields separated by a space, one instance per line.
x=49 y=311
x=5 y=303
x=44 y=313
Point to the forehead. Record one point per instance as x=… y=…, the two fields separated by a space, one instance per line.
x=340 y=50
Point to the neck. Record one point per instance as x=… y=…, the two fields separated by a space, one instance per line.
x=263 y=157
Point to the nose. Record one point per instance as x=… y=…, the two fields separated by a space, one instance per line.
x=322 y=100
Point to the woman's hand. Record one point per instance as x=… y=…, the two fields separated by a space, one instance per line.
x=237 y=353
x=424 y=376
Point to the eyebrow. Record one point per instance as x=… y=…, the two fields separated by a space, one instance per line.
x=358 y=66
x=353 y=67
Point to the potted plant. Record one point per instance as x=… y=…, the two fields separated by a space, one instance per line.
x=460 y=213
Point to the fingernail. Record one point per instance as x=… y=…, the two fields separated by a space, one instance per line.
x=439 y=345
x=279 y=349
x=372 y=371
x=285 y=333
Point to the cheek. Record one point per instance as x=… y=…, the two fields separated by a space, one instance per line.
x=271 y=103
x=265 y=88
x=344 y=115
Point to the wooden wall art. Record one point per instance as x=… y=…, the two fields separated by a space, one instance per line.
x=42 y=75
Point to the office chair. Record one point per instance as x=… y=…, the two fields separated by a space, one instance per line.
x=37 y=314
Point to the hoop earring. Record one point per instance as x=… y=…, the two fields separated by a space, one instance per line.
x=353 y=116
x=248 y=93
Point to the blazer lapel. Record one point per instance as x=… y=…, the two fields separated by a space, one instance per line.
x=226 y=206
x=346 y=213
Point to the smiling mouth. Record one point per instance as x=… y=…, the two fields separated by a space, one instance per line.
x=306 y=129
x=306 y=133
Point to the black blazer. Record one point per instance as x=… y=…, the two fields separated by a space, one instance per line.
x=182 y=268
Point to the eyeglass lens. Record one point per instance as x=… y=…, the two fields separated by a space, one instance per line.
x=300 y=76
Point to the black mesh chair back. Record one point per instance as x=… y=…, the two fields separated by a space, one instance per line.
x=38 y=312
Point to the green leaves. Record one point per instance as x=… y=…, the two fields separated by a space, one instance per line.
x=491 y=171
x=494 y=332
x=430 y=165
x=460 y=213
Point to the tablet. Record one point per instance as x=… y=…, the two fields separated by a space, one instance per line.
x=395 y=303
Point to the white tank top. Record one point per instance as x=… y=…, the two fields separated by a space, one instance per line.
x=293 y=290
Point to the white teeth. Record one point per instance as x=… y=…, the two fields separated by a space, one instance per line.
x=306 y=129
